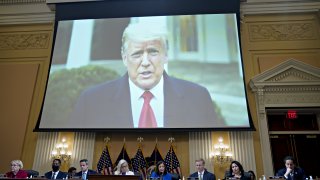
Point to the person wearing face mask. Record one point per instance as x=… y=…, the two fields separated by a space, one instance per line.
x=55 y=173
x=291 y=172
x=161 y=172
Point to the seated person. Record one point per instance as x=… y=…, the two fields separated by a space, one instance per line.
x=16 y=170
x=55 y=173
x=236 y=172
x=72 y=172
x=291 y=172
x=123 y=168
x=85 y=171
x=202 y=173
x=252 y=175
x=161 y=172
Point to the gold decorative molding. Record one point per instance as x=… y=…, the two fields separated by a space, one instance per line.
x=278 y=6
x=293 y=75
x=292 y=98
x=290 y=84
x=292 y=89
x=24 y=41
x=282 y=32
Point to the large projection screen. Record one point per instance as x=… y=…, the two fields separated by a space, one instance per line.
x=201 y=86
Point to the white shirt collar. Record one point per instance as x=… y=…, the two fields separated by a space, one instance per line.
x=157 y=103
x=136 y=92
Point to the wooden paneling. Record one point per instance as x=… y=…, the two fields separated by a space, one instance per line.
x=24 y=59
x=270 y=39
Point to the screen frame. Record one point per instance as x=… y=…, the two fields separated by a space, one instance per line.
x=123 y=8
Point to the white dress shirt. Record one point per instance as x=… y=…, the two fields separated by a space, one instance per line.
x=200 y=175
x=54 y=174
x=156 y=103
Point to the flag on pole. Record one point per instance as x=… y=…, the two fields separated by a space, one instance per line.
x=105 y=163
x=123 y=155
x=155 y=156
x=172 y=162
x=139 y=163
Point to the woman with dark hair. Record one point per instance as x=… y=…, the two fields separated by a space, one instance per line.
x=161 y=172
x=236 y=171
x=72 y=172
x=252 y=175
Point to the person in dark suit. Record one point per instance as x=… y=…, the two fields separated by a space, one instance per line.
x=236 y=171
x=85 y=171
x=202 y=173
x=291 y=172
x=55 y=173
x=146 y=91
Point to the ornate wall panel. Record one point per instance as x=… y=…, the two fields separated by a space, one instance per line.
x=24 y=55
x=290 y=84
x=281 y=32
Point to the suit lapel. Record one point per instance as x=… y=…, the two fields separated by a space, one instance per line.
x=171 y=99
x=122 y=97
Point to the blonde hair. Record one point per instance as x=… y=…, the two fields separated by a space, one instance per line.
x=19 y=162
x=120 y=163
x=143 y=32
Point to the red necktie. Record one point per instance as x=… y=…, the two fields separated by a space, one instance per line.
x=147 y=118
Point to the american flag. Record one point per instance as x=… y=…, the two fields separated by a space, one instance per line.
x=123 y=155
x=139 y=163
x=105 y=162
x=172 y=162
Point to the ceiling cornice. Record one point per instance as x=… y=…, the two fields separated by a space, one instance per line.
x=279 y=6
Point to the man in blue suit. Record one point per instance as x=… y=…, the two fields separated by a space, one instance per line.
x=85 y=171
x=55 y=173
x=174 y=103
x=291 y=172
x=202 y=173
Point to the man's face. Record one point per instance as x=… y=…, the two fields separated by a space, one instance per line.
x=83 y=166
x=199 y=166
x=289 y=164
x=56 y=163
x=145 y=62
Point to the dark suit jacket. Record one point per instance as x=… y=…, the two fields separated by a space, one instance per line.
x=88 y=173
x=186 y=105
x=60 y=175
x=298 y=174
x=206 y=175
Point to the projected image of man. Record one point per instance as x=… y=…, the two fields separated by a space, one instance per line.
x=146 y=96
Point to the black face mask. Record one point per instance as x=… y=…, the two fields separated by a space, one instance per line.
x=55 y=168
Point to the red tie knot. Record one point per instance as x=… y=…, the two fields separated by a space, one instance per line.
x=147 y=96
